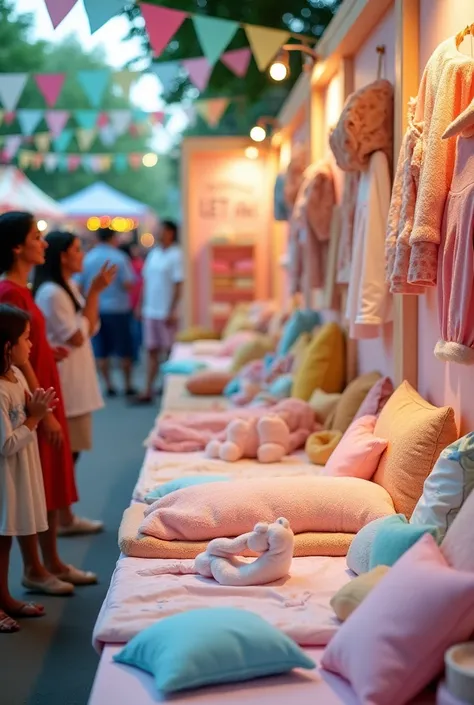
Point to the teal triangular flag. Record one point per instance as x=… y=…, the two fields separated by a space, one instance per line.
x=94 y=83
x=139 y=115
x=87 y=119
x=101 y=11
x=29 y=120
x=62 y=162
x=214 y=35
x=62 y=142
x=121 y=162
x=167 y=73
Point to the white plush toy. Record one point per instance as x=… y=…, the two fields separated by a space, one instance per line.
x=274 y=541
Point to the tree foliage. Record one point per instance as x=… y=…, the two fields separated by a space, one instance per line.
x=254 y=95
x=19 y=53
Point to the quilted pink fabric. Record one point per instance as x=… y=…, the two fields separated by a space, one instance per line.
x=393 y=645
x=327 y=504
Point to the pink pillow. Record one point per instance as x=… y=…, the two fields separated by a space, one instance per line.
x=376 y=399
x=358 y=452
x=457 y=546
x=234 y=342
x=393 y=644
x=204 y=512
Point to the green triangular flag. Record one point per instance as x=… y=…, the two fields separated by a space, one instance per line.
x=214 y=35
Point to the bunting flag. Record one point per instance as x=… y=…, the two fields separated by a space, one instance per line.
x=85 y=138
x=212 y=110
x=102 y=120
x=125 y=80
x=167 y=73
x=108 y=136
x=94 y=83
x=50 y=86
x=42 y=141
x=9 y=117
x=199 y=71
x=12 y=86
x=161 y=25
x=121 y=162
x=265 y=43
x=12 y=145
x=51 y=162
x=237 y=61
x=59 y=9
x=120 y=120
x=99 y=12
x=56 y=121
x=63 y=140
x=87 y=119
x=214 y=35
x=29 y=120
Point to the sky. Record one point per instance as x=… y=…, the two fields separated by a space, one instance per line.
x=110 y=37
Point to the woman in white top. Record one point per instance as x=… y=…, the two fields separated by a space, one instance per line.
x=70 y=322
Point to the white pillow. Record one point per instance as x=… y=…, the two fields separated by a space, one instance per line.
x=448 y=486
x=358 y=556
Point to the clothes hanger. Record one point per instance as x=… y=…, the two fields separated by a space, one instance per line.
x=460 y=37
x=380 y=49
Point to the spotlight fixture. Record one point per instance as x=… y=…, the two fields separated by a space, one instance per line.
x=280 y=66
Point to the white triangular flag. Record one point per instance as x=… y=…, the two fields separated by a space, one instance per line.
x=12 y=86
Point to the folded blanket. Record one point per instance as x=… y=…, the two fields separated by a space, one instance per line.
x=185 y=433
x=136 y=545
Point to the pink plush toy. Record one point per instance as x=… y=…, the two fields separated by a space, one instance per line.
x=241 y=442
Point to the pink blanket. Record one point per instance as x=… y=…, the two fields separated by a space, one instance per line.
x=186 y=433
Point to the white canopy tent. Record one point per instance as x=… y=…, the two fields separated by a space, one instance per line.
x=17 y=192
x=101 y=199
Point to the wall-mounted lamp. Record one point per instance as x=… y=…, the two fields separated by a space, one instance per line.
x=258 y=133
x=280 y=66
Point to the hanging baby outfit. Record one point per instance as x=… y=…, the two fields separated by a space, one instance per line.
x=425 y=171
x=456 y=252
x=280 y=210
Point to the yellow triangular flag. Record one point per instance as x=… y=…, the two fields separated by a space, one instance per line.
x=2 y=113
x=212 y=110
x=23 y=160
x=42 y=141
x=125 y=79
x=265 y=43
x=85 y=138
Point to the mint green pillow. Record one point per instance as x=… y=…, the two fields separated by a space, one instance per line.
x=182 y=367
x=394 y=537
x=301 y=321
x=179 y=483
x=211 y=646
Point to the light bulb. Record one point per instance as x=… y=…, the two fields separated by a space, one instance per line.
x=42 y=225
x=150 y=159
x=258 y=134
x=278 y=71
x=147 y=240
x=251 y=153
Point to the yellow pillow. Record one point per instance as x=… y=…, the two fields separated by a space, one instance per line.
x=298 y=350
x=320 y=445
x=349 y=597
x=351 y=400
x=253 y=350
x=417 y=432
x=239 y=320
x=323 y=405
x=323 y=365
x=193 y=333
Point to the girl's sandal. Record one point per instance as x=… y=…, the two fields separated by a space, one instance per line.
x=7 y=624
x=28 y=610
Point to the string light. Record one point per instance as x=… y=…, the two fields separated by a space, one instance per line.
x=147 y=240
x=150 y=159
x=93 y=223
x=258 y=133
x=251 y=153
x=280 y=68
x=42 y=225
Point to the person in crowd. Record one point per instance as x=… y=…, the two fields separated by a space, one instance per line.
x=162 y=289
x=131 y=250
x=22 y=247
x=70 y=321
x=23 y=503
x=114 y=338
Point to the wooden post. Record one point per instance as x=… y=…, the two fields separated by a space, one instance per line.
x=405 y=326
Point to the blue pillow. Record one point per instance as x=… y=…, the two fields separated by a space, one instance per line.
x=300 y=322
x=394 y=537
x=211 y=646
x=281 y=387
x=178 y=484
x=182 y=367
x=232 y=387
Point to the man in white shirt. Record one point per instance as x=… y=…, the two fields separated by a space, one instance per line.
x=162 y=287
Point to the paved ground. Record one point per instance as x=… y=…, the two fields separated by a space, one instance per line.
x=51 y=661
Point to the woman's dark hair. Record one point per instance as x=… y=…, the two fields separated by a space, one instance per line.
x=13 y=322
x=172 y=226
x=59 y=241
x=14 y=228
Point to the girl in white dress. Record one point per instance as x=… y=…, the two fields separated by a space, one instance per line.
x=22 y=499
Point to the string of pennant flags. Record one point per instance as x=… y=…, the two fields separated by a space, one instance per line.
x=92 y=163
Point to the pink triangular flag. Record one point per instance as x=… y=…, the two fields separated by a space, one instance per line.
x=9 y=117
x=50 y=85
x=161 y=24
x=59 y=9
x=56 y=120
x=237 y=61
x=12 y=145
x=199 y=71
x=73 y=162
x=103 y=120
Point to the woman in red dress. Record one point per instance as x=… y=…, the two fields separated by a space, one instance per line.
x=22 y=248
